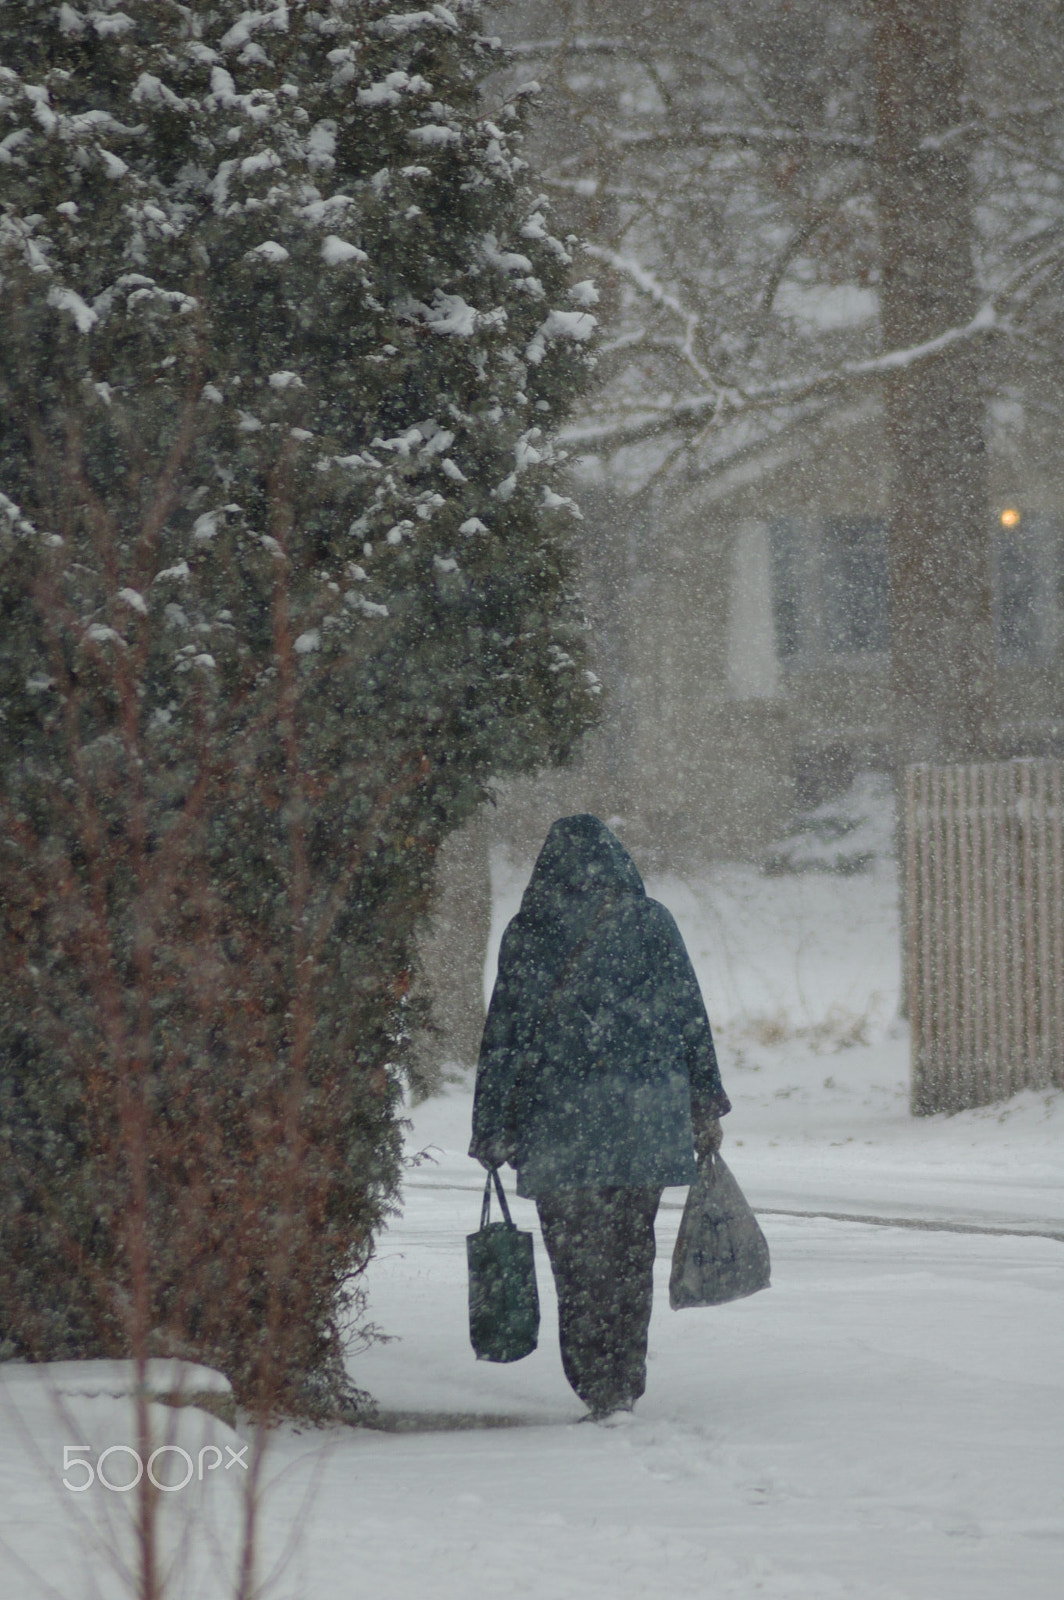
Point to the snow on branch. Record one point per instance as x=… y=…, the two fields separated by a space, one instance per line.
x=648 y=284
x=699 y=411
x=578 y=46
x=748 y=137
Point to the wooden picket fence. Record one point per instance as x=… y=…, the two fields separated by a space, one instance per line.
x=985 y=885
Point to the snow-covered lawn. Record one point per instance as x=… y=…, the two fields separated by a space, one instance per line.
x=884 y=1423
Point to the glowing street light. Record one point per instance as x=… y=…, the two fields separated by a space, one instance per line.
x=1010 y=517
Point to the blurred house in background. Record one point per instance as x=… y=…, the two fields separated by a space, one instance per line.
x=742 y=632
x=744 y=638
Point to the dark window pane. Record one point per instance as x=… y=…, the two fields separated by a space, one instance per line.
x=1017 y=592
x=856 y=595
x=784 y=536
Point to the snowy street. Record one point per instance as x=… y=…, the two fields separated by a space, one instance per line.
x=883 y=1423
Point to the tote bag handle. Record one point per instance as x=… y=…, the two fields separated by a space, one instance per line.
x=485 y=1210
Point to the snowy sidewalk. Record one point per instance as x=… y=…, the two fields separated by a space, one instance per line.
x=883 y=1424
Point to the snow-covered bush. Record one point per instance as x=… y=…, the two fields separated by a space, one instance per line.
x=847 y=834
x=285 y=579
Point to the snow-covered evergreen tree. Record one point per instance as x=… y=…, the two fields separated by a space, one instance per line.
x=285 y=580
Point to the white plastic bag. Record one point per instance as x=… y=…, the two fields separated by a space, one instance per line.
x=721 y=1253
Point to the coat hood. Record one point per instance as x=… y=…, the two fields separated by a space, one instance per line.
x=579 y=857
x=582 y=877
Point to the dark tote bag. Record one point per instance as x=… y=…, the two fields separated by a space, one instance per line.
x=503 y=1299
x=721 y=1253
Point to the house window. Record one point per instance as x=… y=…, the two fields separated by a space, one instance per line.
x=784 y=546
x=856 y=585
x=1028 y=567
x=830 y=589
x=1017 y=594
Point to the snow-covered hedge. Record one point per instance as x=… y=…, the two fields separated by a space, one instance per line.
x=286 y=578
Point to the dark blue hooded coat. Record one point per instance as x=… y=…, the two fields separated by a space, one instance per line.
x=597 y=1042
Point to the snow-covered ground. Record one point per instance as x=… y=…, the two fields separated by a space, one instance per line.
x=884 y=1423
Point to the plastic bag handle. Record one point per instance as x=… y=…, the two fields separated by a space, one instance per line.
x=485 y=1210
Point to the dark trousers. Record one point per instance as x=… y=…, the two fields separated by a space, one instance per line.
x=601 y=1248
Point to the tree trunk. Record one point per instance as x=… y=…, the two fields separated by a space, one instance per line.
x=943 y=667
x=453 y=950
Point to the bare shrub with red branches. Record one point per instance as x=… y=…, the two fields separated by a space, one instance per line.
x=198 y=1136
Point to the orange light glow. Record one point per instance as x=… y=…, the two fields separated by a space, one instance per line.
x=1010 y=517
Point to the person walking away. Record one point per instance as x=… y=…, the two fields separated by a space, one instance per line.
x=599 y=1082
